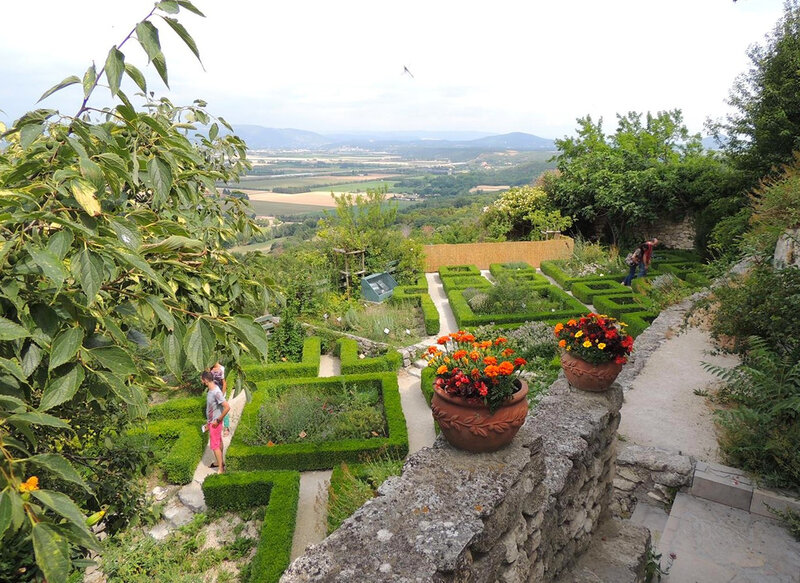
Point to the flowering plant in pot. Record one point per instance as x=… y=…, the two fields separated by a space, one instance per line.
x=594 y=348
x=479 y=398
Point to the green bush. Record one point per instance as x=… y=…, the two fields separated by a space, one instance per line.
x=466 y=317
x=533 y=340
x=638 y=322
x=553 y=268
x=347 y=350
x=458 y=270
x=325 y=455
x=615 y=305
x=586 y=291
x=180 y=408
x=512 y=269
x=464 y=282
x=764 y=303
x=307 y=367
x=280 y=490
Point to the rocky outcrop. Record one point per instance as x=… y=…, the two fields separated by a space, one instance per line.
x=523 y=513
x=787 y=250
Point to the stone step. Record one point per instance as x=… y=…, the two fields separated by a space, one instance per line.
x=618 y=554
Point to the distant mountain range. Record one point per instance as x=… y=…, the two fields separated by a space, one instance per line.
x=261 y=138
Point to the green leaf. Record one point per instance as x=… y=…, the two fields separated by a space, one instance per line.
x=135 y=261
x=213 y=132
x=59 y=466
x=161 y=311
x=184 y=34
x=115 y=67
x=87 y=269
x=71 y=80
x=199 y=344
x=50 y=265
x=147 y=35
x=114 y=163
x=13 y=367
x=63 y=505
x=130 y=394
x=251 y=334
x=62 y=388
x=14 y=404
x=161 y=67
x=31 y=358
x=137 y=77
x=115 y=359
x=173 y=354
x=173 y=243
x=29 y=133
x=11 y=330
x=128 y=235
x=5 y=512
x=168 y=6
x=60 y=243
x=160 y=177
x=52 y=553
x=65 y=346
x=92 y=172
x=89 y=80
x=84 y=194
x=34 y=418
x=190 y=7
x=17 y=511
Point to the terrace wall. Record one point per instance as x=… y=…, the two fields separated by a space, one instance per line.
x=484 y=254
x=524 y=513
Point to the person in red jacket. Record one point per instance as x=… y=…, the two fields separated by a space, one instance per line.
x=647 y=255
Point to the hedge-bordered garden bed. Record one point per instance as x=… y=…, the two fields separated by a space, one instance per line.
x=466 y=318
x=307 y=367
x=586 y=291
x=325 y=455
x=553 y=269
x=458 y=270
x=347 y=350
x=419 y=293
x=464 y=282
x=280 y=491
x=615 y=305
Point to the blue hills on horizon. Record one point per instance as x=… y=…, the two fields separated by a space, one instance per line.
x=263 y=138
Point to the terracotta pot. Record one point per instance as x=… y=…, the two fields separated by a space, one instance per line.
x=470 y=426
x=587 y=376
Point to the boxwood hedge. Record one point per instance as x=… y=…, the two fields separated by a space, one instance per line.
x=307 y=367
x=419 y=294
x=466 y=318
x=553 y=269
x=280 y=491
x=325 y=455
x=347 y=350
x=458 y=270
x=467 y=281
x=512 y=269
x=586 y=291
x=615 y=305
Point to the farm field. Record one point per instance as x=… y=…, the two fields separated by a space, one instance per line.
x=277 y=208
x=255 y=182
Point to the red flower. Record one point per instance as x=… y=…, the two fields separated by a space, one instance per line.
x=520 y=362
x=443 y=340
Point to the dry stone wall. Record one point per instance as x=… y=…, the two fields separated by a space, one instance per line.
x=674 y=235
x=521 y=514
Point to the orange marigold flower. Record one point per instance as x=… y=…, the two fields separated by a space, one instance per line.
x=501 y=340
x=559 y=327
x=520 y=362
x=571 y=323
x=442 y=369
x=475 y=373
x=486 y=344
x=507 y=352
x=474 y=355
x=489 y=360
x=469 y=338
x=562 y=343
x=491 y=371
x=29 y=485
x=432 y=349
x=459 y=354
x=443 y=340
x=506 y=368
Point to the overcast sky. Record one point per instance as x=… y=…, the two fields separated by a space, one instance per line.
x=524 y=65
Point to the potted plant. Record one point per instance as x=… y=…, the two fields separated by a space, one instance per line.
x=479 y=399
x=593 y=350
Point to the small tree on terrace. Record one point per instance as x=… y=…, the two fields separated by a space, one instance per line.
x=523 y=213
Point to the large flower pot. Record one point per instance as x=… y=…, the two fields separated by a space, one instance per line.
x=467 y=424
x=587 y=376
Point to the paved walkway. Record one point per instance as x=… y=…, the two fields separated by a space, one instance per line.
x=447 y=320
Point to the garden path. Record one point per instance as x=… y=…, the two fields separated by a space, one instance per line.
x=447 y=320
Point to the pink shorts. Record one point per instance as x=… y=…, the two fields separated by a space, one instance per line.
x=214 y=436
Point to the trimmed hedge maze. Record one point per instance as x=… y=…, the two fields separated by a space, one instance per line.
x=323 y=455
x=175 y=425
x=586 y=291
x=553 y=269
x=279 y=491
x=466 y=318
x=518 y=272
x=419 y=293
x=347 y=350
x=458 y=270
x=307 y=367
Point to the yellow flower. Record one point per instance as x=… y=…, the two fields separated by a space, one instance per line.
x=30 y=485
x=601 y=345
x=579 y=333
x=442 y=369
x=587 y=343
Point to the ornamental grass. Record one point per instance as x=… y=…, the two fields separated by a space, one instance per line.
x=595 y=338
x=480 y=370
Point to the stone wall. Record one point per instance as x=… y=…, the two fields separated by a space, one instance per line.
x=674 y=235
x=524 y=513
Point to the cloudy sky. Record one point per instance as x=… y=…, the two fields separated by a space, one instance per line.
x=500 y=66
